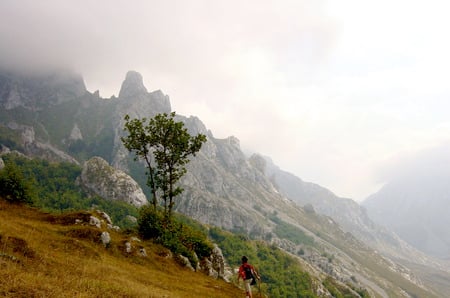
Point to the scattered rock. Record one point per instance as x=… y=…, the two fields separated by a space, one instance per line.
x=106 y=239
x=185 y=262
x=94 y=221
x=217 y=261
x=111 y=227
x=143 y=252
x=128 y=247
x=131 y=218
x=105 y=216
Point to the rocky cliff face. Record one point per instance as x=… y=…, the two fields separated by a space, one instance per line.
x=137 y=102
x=99 y=178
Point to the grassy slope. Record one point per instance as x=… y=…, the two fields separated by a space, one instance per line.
x=40 y=257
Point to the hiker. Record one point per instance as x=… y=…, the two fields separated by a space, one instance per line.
x=248 y=274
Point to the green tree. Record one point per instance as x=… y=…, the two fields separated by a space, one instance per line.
x=139 y=141
x=167 y=143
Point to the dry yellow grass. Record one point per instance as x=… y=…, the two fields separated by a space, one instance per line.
x=43 y=256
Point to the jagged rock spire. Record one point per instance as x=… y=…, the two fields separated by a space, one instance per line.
x=132 y=86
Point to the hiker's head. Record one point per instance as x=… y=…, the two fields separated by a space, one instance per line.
x=244 y=259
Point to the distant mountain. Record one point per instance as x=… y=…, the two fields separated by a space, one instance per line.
x=55 y=117
x=350 y=215
x=416 y=203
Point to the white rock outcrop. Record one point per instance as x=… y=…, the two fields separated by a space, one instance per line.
x=99 y=178
x=106 y=239
x=94 y=221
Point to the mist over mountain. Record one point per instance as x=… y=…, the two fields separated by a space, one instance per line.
x=415 y=203
x=53 y=116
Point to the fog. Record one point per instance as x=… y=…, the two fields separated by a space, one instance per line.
x=334 y=92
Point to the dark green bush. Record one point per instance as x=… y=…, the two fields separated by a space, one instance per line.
x=150 y=223
x=175 y=234
x=13 y=186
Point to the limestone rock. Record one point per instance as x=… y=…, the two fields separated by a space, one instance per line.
x=128 y=247
x=112 y=227
x=218 y=261
x=133 y=85
x=101 y=179
x=185 y=262
x=215 y=265
x=75 y=134
x=94 y=221
x=106 y=238
x=105 y=216
x=143 y=252
x=131 y=218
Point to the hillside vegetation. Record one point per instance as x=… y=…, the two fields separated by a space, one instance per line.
x=44 y=255
x=47 y=254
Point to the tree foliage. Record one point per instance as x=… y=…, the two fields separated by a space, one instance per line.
x=165 y=145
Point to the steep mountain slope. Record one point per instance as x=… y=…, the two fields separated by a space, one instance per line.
x=351 y=216
x=222 y=187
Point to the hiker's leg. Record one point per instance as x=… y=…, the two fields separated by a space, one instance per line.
x=248 y=288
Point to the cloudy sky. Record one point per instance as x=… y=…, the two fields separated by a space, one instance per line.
x=335 y=92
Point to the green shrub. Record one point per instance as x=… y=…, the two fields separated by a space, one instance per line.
x=150 y=223
x=13 y=186
x=179 y=236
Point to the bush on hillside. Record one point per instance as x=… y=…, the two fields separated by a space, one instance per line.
x=13 y=186
x=178 y=236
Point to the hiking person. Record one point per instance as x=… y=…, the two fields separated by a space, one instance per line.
x=248 y=274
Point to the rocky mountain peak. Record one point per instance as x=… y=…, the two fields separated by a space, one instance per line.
x=132 y=86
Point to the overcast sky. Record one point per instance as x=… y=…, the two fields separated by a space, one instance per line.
x=333 y=91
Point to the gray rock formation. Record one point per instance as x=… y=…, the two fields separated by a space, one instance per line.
x=143 y=252
x=185 y=262
x=135 y=101
x=214 y=265
x=105 y=238
x=128 y=247
x=99 y=178
x=94 y=221
x=75 y=134
x=133 y=86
